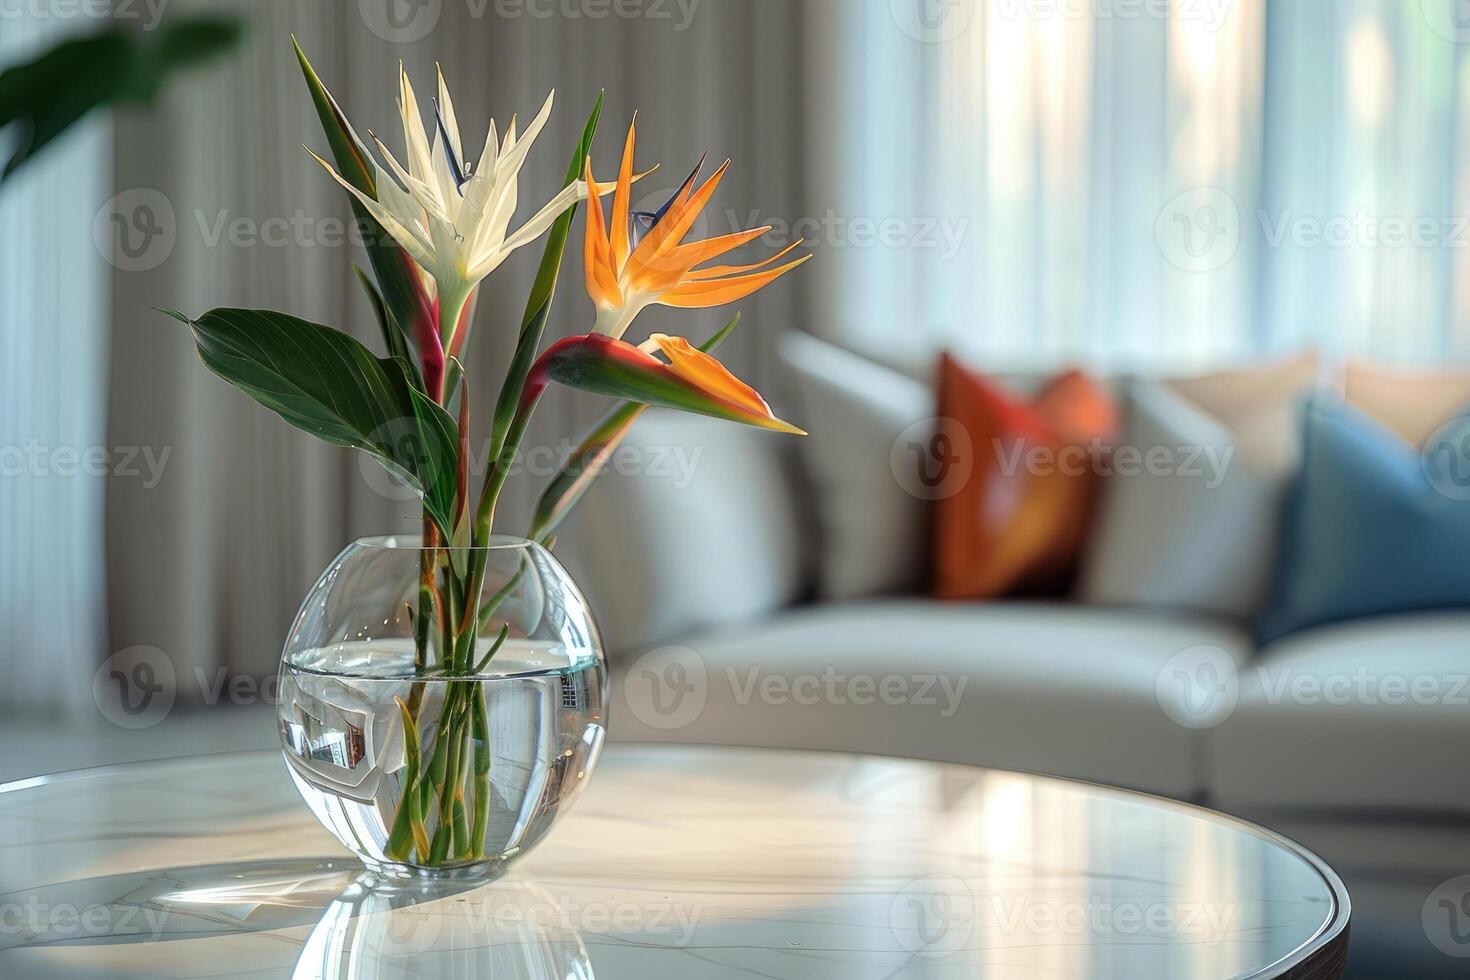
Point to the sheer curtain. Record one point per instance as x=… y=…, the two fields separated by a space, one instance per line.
x=1170 y=184
x=53 y=454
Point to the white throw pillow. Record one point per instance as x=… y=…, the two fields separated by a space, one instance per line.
x=874 y=533
x=1195 y=527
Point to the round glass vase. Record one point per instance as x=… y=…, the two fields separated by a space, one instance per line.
x=431 y=738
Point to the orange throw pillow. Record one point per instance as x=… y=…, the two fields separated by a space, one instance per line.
x=1017 y=522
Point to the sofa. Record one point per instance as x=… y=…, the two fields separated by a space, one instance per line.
x=1352 y=716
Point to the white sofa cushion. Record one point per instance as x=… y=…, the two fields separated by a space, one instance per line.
x=873 y=532
x=1047 y=687
x=693 y=524
x=1197 y=530
x=1372 y=713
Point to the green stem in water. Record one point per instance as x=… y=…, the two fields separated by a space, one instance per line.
x=482 y=770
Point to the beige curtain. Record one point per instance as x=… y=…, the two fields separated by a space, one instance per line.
x=209 y=565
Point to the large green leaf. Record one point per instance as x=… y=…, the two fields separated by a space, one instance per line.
x=327 y=383
x=46 y=96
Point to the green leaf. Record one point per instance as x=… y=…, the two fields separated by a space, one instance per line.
x=567 y=488
x=538 y=304
x=394 y=340
x=327 y=383
x=392 y=267
x=45 y=97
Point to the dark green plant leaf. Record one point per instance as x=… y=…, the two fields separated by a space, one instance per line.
x=327 y=383
x=393 y=339
x=45 y=97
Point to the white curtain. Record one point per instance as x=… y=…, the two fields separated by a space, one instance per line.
x=1169 y=183
x=53 y=371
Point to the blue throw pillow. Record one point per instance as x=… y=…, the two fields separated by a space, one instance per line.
x=1372 y=526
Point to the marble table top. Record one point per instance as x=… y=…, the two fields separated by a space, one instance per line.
x=678 y=862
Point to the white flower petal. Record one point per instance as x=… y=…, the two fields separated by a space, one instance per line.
x=426 y=195
x=417 y=248
x=515 y=156
x=415 y=136
x=543 y=219
x=451 y=123
x=445 y=182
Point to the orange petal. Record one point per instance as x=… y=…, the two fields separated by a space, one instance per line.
x=672 y=267
x=710 y=376
x=602 y=285
x=619 y=237
x=717 y=292
x=675 y=224
x=705 y=249
x=715 y=271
